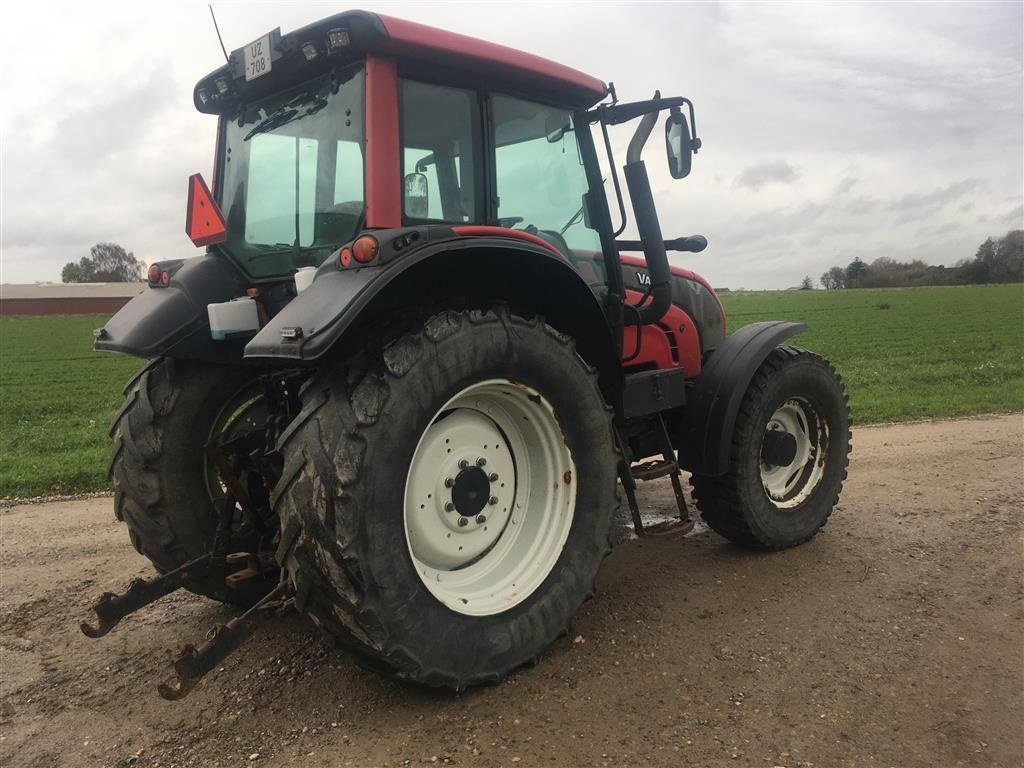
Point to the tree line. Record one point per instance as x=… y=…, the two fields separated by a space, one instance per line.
x=996 y=261
x=106 y=263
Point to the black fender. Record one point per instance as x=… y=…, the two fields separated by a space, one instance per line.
x=714 y=401
x=476 y=270
x=173 y=319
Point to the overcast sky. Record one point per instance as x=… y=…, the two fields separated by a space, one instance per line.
x=830 y=130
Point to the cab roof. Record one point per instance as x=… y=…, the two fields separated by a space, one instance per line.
x=307 y=52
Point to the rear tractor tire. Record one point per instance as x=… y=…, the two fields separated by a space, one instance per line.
x=164 y=483
x=788 y=457
x=446 y=502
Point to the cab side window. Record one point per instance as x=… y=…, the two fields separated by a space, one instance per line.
x=539 y=174
x=439 y=130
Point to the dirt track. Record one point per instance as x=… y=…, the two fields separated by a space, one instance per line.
x=893 y=639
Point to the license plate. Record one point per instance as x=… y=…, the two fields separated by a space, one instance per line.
x=256 y=57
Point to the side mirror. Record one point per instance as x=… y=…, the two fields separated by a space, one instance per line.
x=678 y=146
x=415 y=197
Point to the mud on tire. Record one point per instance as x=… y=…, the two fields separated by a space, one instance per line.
x=158 y=463
x=757 y=504
x=342 y=497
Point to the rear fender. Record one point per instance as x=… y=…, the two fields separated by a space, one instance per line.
x=714 y=402
x=475 y=271
x=172 y=319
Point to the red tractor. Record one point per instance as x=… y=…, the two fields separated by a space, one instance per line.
x=403 y=385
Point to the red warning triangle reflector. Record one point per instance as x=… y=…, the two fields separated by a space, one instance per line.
x=204 y=223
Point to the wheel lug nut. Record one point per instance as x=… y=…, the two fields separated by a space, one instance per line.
x=463 y=522
x=481 y=461
x=449 y=507
x=463 y=463
x=493 y=500
x=493 y=477
x=449 y=482
x=481 y=519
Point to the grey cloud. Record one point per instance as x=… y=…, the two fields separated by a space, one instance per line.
x=845 y=185
x=920 y=205
x=858 y=206
x=113 y=125
x=938 y=196
x=757 y=176
x=940 y=229
x=1014 y=218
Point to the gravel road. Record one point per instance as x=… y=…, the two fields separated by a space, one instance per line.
x=895 y=638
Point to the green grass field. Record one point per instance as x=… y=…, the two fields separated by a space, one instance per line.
x=910 y=353
x=904 y=354
x=56 y=400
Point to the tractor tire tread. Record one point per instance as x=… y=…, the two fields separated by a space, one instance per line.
x=324 y=460
x=719 y=499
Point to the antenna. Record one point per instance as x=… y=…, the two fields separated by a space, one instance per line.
x=219 y=38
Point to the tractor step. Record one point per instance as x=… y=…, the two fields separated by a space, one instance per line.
x=651 y=431
x=652 y=470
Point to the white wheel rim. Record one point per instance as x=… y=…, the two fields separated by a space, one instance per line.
x=498 y=556
x=791 y=484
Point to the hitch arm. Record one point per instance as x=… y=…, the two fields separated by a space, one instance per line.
x=111 y=607
x=194 y=663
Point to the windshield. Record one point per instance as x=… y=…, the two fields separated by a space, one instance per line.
x=292 y=188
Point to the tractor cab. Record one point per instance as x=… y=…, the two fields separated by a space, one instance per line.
x=366 y=122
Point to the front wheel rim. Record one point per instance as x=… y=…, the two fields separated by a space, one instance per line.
x=490 y=498
x=790 y=484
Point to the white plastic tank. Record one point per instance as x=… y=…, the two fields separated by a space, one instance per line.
x=231 y=318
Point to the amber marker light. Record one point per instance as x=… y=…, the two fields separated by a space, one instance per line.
x=365 y=249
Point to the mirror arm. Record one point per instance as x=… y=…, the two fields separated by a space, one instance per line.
x=613 y=114
x=424 y=162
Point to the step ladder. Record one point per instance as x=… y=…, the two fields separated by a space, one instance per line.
x=651 y=430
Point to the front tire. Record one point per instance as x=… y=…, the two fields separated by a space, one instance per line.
x=788 y=457
x=446 y=503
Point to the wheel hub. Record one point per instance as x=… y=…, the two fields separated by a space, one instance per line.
x=793 y=453
x=779 y=448
x=471 y=492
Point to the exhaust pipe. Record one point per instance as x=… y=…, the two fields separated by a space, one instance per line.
x=647 y=224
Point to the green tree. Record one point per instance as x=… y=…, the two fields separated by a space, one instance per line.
x=1008 y=258
x=855 y=270
x=106 y=263
x=837 y=276
x=73 y=272
x=986 y=252
x=980 y=271
x=807 y=283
